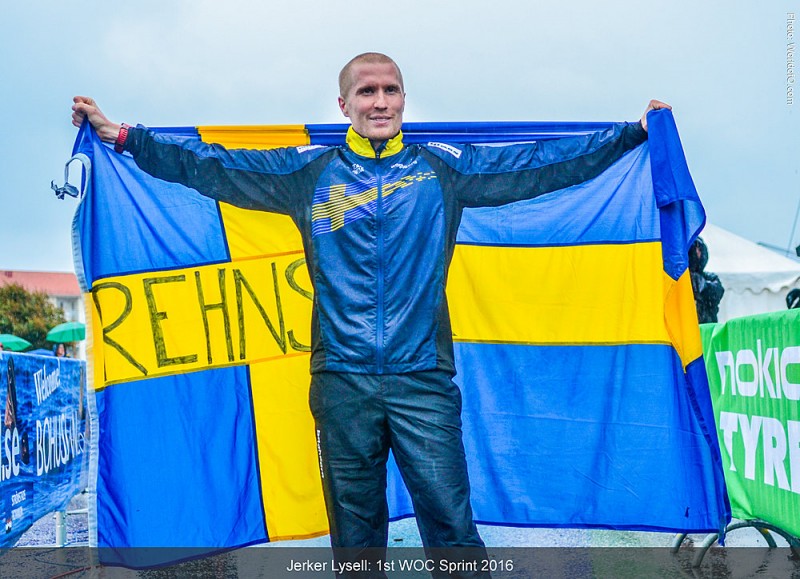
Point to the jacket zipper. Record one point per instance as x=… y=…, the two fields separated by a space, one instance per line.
x=380 y=312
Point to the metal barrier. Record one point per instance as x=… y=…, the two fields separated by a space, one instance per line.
x=61 y=524
x=761 y=526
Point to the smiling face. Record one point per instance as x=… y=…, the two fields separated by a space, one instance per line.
x=374 y=100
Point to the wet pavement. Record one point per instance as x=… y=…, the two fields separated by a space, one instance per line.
x=513 y=553
x=43 y=531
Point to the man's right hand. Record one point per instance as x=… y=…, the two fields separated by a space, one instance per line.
x=85 y=107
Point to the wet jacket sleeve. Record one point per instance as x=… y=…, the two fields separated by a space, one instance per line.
x=484 y=176
x=252 y=179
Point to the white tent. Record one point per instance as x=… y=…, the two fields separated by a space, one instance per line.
x=756 y=279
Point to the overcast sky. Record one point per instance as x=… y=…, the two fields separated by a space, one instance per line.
x=722 y=65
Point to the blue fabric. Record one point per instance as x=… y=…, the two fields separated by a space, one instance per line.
x=604 y=445
x=155 y=214
x=152 y=475
x=607 y=210
x=682 y=214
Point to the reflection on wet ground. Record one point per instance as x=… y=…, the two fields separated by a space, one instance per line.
x=513 y=553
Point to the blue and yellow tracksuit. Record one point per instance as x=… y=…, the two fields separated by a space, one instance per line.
x=379 y=229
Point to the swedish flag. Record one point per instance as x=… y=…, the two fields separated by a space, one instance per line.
x=585 y=397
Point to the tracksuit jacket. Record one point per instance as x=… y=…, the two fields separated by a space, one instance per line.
x=379 y=227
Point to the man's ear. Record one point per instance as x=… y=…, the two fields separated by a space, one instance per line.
x=343 y=107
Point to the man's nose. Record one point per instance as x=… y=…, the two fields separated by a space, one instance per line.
x=380 y=100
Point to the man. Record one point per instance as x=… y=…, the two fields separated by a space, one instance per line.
x=706 y=286
x=378 y=221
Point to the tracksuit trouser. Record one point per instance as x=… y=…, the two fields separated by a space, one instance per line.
x=359 y=418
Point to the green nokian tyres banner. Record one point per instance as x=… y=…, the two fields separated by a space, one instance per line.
x=753 y=366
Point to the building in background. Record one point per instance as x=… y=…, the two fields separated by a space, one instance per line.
x=62 y=289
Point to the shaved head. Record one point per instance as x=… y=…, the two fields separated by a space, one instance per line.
x=346 y=76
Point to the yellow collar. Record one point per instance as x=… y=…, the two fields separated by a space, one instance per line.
x=361 y=145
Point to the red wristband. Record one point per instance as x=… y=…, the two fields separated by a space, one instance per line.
x=119 y=144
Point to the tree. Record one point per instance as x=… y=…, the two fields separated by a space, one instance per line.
x=29 y=315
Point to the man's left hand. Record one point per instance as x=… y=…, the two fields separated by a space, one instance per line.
x=652 y=106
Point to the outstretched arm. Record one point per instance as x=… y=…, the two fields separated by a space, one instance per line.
x=482 y=176
x=265 y=180
x=85 y=107
x=492 y=176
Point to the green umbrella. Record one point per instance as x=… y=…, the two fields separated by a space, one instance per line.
x=14 y=343
x=67 y=332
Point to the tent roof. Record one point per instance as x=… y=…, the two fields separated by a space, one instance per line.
x=746 y=266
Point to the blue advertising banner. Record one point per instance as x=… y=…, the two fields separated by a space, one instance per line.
x=43 y=450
